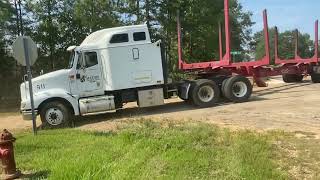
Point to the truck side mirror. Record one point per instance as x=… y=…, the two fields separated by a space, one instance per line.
x=158 y=43
x=25 y=78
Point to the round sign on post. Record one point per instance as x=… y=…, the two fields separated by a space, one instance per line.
x=19 y=50
x=26 y=53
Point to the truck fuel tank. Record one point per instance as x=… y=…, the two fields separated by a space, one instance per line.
x=96 y=104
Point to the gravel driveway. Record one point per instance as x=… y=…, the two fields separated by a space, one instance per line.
x=288 y=107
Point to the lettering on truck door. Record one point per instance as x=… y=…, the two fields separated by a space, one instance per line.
x=89 y=80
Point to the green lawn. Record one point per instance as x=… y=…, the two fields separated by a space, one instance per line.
x=148 y=150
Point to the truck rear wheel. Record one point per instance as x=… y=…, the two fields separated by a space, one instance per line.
x=237 y=89
x=55 y=114
x=205 y=93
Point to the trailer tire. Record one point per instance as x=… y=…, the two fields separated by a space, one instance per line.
x=315 y=78
x=238 y=89
x=55 y=115
x=222 y=86
x=292 y=78
x=205 y=93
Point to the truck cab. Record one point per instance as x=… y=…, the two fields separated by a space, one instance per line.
x=109 y=68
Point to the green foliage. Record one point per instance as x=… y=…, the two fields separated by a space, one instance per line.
x=147 y=150
x=6 y=63
x=53 y=32
x=6 y=12
x=200 y=21
x=286 y=46
x=57 y=24
x=96 y=15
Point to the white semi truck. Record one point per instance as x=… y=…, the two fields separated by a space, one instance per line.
x=116 y=66
x=119 y=65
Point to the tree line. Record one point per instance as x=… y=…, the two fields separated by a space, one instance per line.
x=57 y=24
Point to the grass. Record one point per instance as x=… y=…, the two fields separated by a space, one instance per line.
x=148 y=150
x=300 y=157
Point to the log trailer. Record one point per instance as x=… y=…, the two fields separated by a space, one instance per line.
x=119 y=65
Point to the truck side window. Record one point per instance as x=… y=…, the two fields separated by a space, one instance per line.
x=119 y=38
x=90 y=59
x=139 y=36
x=80 y=63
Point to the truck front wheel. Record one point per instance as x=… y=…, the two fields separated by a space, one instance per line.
x=55 y=114
x=205 y=93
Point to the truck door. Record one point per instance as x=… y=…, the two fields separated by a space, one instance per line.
x=88 y=74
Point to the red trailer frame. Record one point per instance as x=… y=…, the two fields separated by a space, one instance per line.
x=256 y=69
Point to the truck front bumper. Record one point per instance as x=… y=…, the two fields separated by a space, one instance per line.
x=27 y=114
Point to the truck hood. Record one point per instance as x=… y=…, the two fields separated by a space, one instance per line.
x=57 y=79
x=55 y=75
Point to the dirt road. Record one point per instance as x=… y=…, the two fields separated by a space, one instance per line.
x=289 y=107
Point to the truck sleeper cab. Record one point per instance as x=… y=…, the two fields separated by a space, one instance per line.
x=115 y=66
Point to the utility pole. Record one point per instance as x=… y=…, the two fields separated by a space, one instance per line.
x=20 y=18
x=147 y=7
x=17 y=17
x=19 y=25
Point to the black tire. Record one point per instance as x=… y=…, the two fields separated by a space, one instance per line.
x=315 y=78
x=238 y=89
x=205 y=93
x=55 y=115
x=299 y=78
x=222 y=87
x=292 y=78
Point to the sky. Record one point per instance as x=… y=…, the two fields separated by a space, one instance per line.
x=286 y=14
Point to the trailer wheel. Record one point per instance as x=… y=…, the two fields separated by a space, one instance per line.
x=315 y=78
x=237 y=89
x=291 y=78
x=55 y=114
x=205 y=93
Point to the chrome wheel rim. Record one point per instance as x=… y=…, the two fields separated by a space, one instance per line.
x=206 y=93
x=239 y=89
x=54 y=116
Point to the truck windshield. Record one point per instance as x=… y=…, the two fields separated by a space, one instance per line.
x=71 y=60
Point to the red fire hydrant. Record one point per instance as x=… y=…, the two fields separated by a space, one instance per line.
x=9 y=170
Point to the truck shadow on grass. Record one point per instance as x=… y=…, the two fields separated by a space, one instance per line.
x=180 y=106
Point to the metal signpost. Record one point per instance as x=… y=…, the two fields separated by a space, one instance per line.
x=26 y=53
